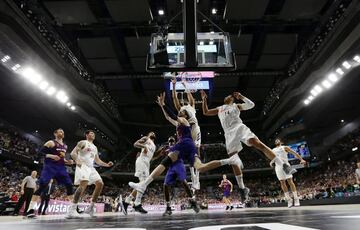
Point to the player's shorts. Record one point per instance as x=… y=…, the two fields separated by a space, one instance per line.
x=226 y=193
x=175 y=172
x=236 y=135
x=280 y=173
x=186 y=150
x=56 y=172
x=86 y=173
x=196 y=134
x=142 y=168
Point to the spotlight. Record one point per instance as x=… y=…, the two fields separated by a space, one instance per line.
x=31 y=75
x=326 y=84
x=5 y=58
x=306 y=102
x=357 y=58
x=68 y=104
x=213 y=10
x=318 y=89
x=72 y=108
x=15 y=67
x=342 y=121
x=339 y=71
x=50 y=91
x=346 y=65
x=43 y=85
x=333 y=78
x=211 y=42
x=161 y=12
x=212 y=32
x=354 y=149
x=310 y=98
x=62 y=97
x=201 y=43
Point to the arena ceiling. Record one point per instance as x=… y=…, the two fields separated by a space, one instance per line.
x=111 y=39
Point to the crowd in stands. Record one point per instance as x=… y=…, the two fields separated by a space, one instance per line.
x=12 y=141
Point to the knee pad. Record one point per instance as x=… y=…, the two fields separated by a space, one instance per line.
x=237 y=161
x=166 y=161
x=69 y=189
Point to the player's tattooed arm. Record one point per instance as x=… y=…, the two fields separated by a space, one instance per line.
x=248 y=104
x=74 y=153
x=174 y=95
x=102 y=163
x=289 y=150
x=206 y=110
x=141 y=143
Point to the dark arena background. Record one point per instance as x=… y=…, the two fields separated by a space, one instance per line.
x=75 y=70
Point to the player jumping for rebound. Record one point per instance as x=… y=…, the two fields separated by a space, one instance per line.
x=227 y=186
x=175 y=172
x=142 y=171
x=85 y=154
x=195 y=128
x=282 y=152
x=54 y=168
x=235 y=132
x=184 y=149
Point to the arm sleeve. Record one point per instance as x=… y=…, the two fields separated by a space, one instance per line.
x=45 y=150
x=248 y=104
x=170 y=113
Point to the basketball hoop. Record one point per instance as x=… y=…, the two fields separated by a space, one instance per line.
x=190 y=81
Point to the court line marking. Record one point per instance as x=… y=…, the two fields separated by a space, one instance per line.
x=347 y=217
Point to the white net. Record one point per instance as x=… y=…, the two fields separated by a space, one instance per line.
x=190 y=80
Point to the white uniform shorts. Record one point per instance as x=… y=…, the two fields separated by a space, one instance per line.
x=86 y=173
x=196 y=135
x=142 y=168
x=280 y=173
x=234 y=137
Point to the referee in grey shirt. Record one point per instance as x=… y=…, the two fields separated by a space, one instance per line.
x=28 y=186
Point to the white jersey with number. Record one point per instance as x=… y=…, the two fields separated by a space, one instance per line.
x=87 y=154
x=235 y=131
x=142 y=164
x=229 y=116
x=86 y=157
x=281 y=153
x=195 y=128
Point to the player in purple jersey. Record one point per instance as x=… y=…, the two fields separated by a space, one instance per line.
x=227 y=187
x=175 y=172
x=184 y=149
x=54 y=168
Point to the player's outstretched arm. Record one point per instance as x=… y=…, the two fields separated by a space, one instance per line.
x=191 y=99
x=248 y=104
x=289 y=150
x=161 y=102
x=174 y=95
x=206 y=110
x=102 y=163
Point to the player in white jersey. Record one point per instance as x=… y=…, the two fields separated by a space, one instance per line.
x=85 y=154
x=195 y=128
x=236 y=132
x=142 y=170
x=357 y=173
x=282 y=152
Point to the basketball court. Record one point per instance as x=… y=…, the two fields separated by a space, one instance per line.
x=330 y=217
